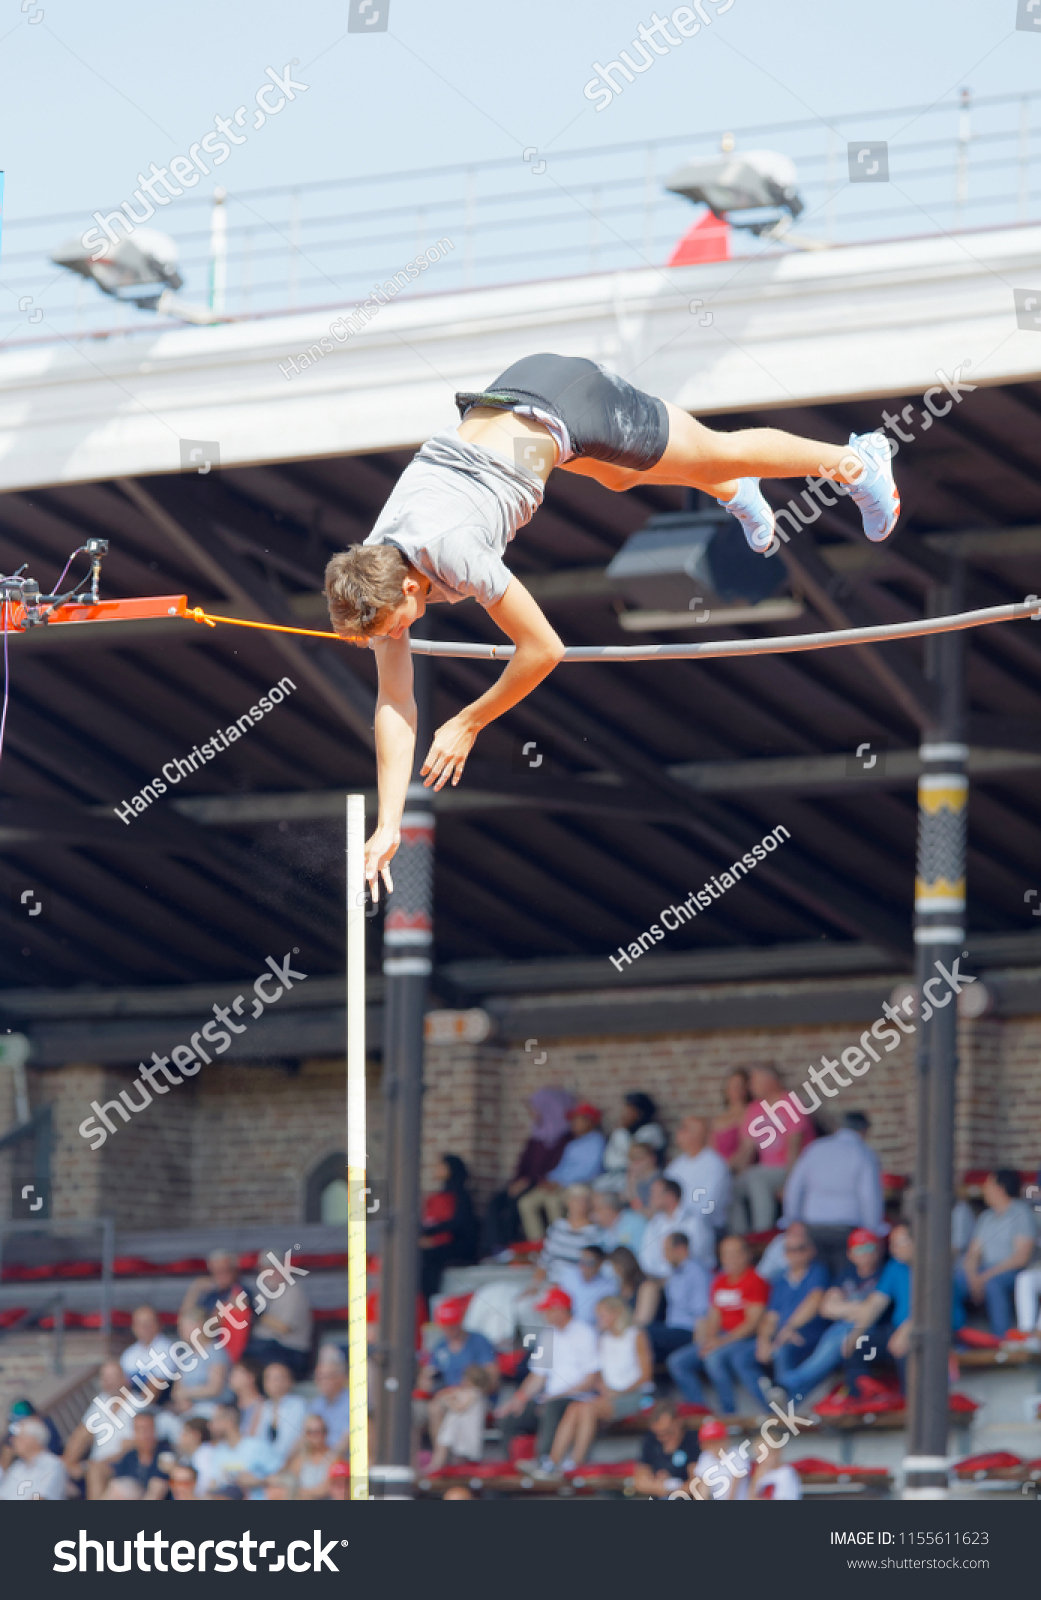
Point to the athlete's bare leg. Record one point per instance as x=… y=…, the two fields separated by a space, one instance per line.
x=697 y=457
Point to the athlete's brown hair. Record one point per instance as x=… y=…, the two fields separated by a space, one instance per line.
x=361 y=585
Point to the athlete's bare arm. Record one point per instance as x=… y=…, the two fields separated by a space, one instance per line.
x=538 y=651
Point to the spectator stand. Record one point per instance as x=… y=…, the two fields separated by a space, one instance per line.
x=1001 y=1472
x=50 y=1239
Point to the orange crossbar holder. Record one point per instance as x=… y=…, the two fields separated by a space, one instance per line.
x=158 y=605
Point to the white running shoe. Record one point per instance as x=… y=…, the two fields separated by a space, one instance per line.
x=753 y=513
x=876 y=492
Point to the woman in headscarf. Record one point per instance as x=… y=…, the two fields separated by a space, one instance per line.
x=550 y=1132
x=448 y=1226
x=638 y=1125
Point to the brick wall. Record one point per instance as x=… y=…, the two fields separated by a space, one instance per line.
x=237 y=1143
x=999 y=1114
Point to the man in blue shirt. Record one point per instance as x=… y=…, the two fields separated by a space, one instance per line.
x=584 y=1156
x=618 y=1223
x=457 y=1349
x=792 y=1325
x=452 y=1353
x=587 y=1282
x=836 y=1185
x=332 y=1403
x=851 y=1308
x=686 y=1298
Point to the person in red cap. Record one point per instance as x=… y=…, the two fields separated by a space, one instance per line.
x=453 y=1353
x=561 y=1367
x=721 y=1472
x=853 y=1307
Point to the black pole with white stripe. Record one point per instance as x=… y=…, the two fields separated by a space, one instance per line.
x=407 y=948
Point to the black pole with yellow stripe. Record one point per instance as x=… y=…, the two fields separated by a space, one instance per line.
x=943 y=792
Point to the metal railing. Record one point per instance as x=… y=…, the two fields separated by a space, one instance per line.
x=59 y=1226
x=956 y=164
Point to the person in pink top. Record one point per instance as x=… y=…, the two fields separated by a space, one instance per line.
x=767 y=1151
x=726 y=1129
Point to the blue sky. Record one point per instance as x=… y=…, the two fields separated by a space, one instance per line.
x=93 y=95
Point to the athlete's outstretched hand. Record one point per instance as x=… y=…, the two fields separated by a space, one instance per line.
x=448 y=751
x=378 y=852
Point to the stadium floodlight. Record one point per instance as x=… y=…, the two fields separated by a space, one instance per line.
x=747 y=182
x=686 y=569
x=139 y=270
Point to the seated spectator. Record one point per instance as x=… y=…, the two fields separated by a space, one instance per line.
x=568 y=1236
x=852 y=1307
x=194 y=1449
x=220 y=1293
x=719 y=1473
x=725 y=1338
x=124 y=1489
x=242 y=1382
x=1003 y=1242
x=142 y=1461
x=702 y=1174
x=308 y=1467
x=339 y=1480
x=617 y=1222
x=284 y=1324
x=638 y=1124
x=686 y=1298
x=627 y=1273
x=18 y=1410
x=622 y=1385
x=895 y=1285
x=85 y=1459
x=202 y=1369
x=331 y=1402
x=644 y=1167
x=728 y=1125
x=669 y=1449
x=183 y=1481
x=772 y=1478
x=238 y=1462
x=836 y=1185
x=669 y=1215
x=149 y=1341
x=34 y=1469
x=550 y=1132
x=792 y=1324
x=281 y=1420
x=558 y=1374
x=765 y=1158
x=282 y=1486
x=448 y=1231
x=579 y=1164
x=463 y=1409
x=454 y=1351
x=588 y=1282
x=773 y=1263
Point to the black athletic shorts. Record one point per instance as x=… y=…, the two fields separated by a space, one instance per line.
x=606 y=418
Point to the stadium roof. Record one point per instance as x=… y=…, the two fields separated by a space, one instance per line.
x=654 y=776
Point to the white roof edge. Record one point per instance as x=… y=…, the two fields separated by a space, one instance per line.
x=858 y=323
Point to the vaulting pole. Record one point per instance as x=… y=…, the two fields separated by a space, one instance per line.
x=358 y=1368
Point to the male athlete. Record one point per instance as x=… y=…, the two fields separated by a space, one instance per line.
x=442 y=534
